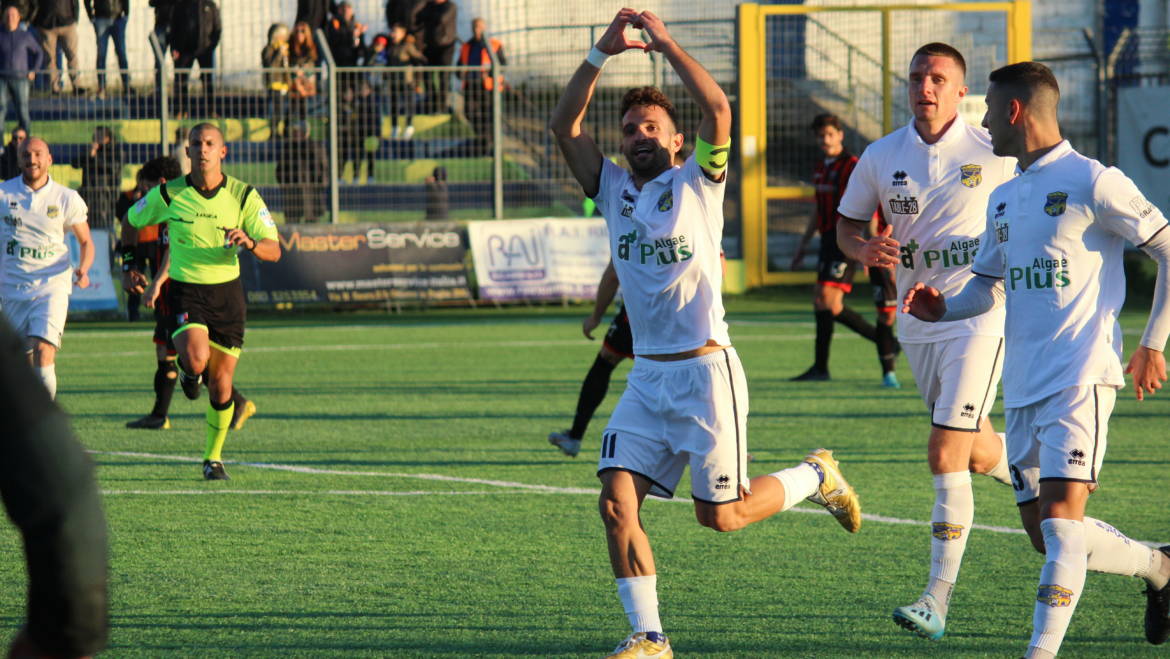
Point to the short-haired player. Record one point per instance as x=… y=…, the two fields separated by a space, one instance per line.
x=685 y=401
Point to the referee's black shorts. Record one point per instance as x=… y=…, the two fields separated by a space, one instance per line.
x=220 y=308
x=619 y=339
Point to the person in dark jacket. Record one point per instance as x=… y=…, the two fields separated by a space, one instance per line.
x=9 y=161
x=402 y=87
x=438 y=201
x=405 y=13
x=315 y=13
x=53 y=499
x=302 y=169
x=162 y=22
x=195 y=32
x=101 y=177
x=359 y=121
x=478 y=85
x=20 y=56
x=109 y=18
x=56 y=23
x=439 y=36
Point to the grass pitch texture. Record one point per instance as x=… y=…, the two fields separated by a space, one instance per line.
x=395 y=497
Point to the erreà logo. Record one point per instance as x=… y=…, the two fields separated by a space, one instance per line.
x=999 y=210
x=900 y=178
x=1056 y=203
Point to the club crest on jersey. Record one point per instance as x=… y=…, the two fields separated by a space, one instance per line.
x=1054 y=595
x=946 y=530
x=53 y=211
x=666 y=201
x=971 y=175
x=1056 y=203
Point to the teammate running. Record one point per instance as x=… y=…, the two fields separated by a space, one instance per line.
x=932 y=178
x=36 y=277
x=617 y=345
x=146 y=249
x=686 y=396
x=835 y=271
x=1054 y=250
x=209 y=215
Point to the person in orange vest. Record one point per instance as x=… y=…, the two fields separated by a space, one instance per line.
x=478 y=85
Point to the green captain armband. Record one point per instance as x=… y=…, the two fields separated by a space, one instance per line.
x=713 y=159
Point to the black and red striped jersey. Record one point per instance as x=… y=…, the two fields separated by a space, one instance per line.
x=830 y=179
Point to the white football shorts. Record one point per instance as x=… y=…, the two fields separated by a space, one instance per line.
x=1059 y=438
x=957 y=378
x=673 y=414
x=42 y=316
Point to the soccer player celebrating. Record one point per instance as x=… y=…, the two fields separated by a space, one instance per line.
x=36 y=277
x=686 y=397
x=617 y=345
x=834 y=270
x=1053 y=248
x=932 y=178
x=209 y=215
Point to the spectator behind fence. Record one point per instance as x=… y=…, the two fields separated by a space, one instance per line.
x=162 y=22
x=346 y=36
x=315 y=13
x=302 y=55
x=438 y=201
x=405 y=13
x=195 y=32
x=56 y=24
x=9 y=160
x=359 y=121
x=403 y=87
x=20 y=56
x=109 y=18
x=477 y=85
x=302 y=170
x=274 y=57
x=101 y=177
x=179 y=150
x=439 y=37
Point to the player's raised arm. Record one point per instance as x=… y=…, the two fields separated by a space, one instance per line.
x=581 y=152
x=715 y=125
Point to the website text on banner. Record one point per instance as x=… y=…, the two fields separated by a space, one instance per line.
x=538 y=259
x=360 y=264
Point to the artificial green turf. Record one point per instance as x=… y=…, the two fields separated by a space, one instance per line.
x=284 y=563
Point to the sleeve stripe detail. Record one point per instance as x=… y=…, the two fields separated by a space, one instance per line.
x=244 y=197
x=166 y=196
x=853 y=219
x=1151 y=238
x=980 y=274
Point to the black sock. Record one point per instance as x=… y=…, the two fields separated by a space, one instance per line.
x=824 y=338
x=593 y=391
x=887 y=346
x=850 y=318
x=164 y=386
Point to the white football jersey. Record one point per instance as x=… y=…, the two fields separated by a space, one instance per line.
x=1056 y=236
x=35 y=258
x=934 y=196
x=665 y=244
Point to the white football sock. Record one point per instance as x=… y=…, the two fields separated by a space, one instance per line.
x=48 y=375
x=1113 y=553
x=639 y=597
x=800 y=482
x=1001 y=471
x=1061 y=580
x=950 y=524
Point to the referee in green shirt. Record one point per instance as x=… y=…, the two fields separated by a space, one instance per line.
x=209 y=214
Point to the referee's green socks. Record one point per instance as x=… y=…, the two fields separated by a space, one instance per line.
x=219 y=419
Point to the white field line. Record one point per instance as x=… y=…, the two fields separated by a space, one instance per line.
x=508 y=487
x=429 y=345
